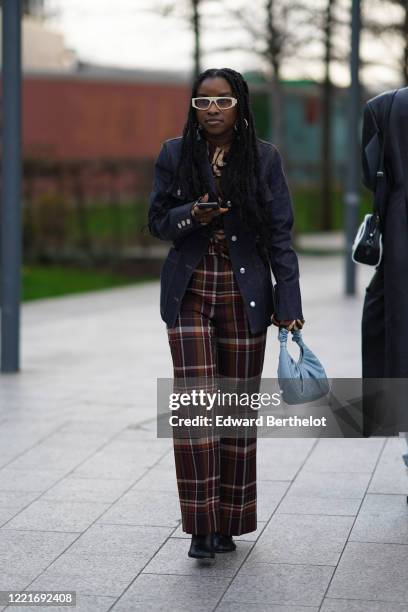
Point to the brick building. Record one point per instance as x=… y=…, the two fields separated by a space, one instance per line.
x=101 y=114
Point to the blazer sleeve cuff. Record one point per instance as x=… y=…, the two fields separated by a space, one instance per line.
x=288 y=301
x=181 y=220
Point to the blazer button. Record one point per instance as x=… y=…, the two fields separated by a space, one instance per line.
x=183 y=222
x=179 y=225
x=242 y=270
x=252 y=303
x=188 y=221
x=233 y=238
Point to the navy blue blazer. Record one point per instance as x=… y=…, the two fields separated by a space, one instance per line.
x=190 y=240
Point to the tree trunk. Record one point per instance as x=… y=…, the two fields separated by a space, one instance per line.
x=197 y=37
x=276 y=112
x=327 y=106
x=274 y=49
x=405 y=58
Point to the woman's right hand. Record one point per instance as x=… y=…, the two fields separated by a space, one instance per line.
x=205 y=216
x=293 y=325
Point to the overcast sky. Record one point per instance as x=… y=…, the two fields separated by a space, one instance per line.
x=129 y=33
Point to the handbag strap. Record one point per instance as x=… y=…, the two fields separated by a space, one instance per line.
x=296 y=337
x=380 y=193
x=283 y=336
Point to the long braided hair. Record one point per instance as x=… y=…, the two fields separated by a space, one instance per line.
x=241 y=175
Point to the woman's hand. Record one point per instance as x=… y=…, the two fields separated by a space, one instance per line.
x=205 y=216
x=294 y=325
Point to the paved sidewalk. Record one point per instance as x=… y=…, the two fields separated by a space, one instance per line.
x=88 y=497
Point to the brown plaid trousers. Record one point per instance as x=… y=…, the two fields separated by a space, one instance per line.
x=216 y=478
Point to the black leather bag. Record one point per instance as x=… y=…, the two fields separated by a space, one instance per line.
x=367 y=247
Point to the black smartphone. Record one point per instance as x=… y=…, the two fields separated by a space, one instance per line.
x=208 y=205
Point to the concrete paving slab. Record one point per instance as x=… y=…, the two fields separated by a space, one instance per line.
x=157 y=606
x=17 y=500
x=147 y=451
x=44 y=515
x=281 y=458
x=382 y=571
x=331 y=484
x=349 y=605
x=95 y=576
x=382 y=518
x=30 y=552
x=120 y=540
x=181 y=591
x=277 y=583
x=296 y=504
x=269 y=495
x=382 y=503
x=109 y=465
x=29 y=480
x=145 y=508
x=226 y=606
x=391 y=475
x=6 y=514
x=60 y=457
x=344 y=455
x=102 y=490
x=10 y=581
x=89 y=427
x=305 y=539
x=158 y=479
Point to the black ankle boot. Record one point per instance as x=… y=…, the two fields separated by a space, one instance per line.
x=202 y=547
x=223 y=543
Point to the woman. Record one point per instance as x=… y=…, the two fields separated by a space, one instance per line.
x=216 y=291
x=385 y=321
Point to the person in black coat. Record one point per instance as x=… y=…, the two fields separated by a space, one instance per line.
x=385 y=311
x=216 y=297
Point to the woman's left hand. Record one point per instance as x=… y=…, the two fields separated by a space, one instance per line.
x=292 y=325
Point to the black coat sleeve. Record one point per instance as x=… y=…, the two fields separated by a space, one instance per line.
x=175 y=221
x=370 y=147
x=283 y=259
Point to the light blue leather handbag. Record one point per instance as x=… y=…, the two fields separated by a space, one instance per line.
x=302 y=381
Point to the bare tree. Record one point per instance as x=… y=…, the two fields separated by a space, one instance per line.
x=276 y=47
x=282 y=31
x=388 y=24
x=33 y=7
x=189 y=11
x=276 y=35
x=195 y=18
x=327 y=112
x=331 y=22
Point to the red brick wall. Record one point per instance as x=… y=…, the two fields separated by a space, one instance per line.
x=77 y=119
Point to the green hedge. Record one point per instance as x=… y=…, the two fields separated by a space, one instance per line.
x=308 y=213
x=104 y=226
x=51 y=281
